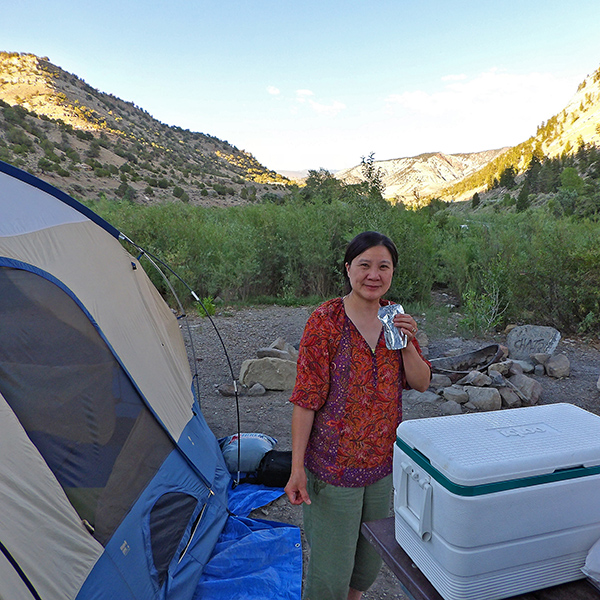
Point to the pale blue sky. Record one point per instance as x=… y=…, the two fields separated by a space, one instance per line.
x=310 y=84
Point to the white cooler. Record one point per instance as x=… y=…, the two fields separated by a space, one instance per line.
x=489 y=505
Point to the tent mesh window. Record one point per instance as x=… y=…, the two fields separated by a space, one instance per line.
x=75 y=401
x=168 y=521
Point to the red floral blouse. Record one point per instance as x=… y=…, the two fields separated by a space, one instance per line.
x=357 y=396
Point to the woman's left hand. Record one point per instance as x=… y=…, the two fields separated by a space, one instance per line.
x=407 y=325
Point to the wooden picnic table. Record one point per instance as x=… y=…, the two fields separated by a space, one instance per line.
x=381 y=535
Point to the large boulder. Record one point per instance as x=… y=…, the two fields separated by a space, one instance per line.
x=271 y=373
x=525 y=340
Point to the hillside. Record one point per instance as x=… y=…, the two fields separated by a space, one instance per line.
x=578 y=123
x=406 y=179
x=89 y=143
x=92 y=144
x=576 y=127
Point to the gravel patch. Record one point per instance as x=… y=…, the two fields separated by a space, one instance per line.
x=244 y=331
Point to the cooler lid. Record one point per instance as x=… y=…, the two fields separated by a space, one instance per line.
x=548 y=443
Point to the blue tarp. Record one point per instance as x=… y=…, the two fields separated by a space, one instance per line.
x=253 y=559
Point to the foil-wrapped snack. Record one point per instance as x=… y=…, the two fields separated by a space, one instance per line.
x=394 y=338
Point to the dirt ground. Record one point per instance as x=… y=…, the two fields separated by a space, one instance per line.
x=244 y=331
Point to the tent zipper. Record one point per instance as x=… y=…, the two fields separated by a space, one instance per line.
x=193 y=532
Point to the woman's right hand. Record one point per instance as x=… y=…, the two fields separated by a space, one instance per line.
x=295 y=489
x=302 y=422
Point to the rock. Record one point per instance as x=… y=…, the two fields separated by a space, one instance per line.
x=439 y=381
x=539 y=370
x=483 y=398
x=530 y=390
x=414 y=396
x=526 y=366
x=525 y=340
x=257 y=390
x=515 y=369
x=598 y=384
x=273 y=353
x=456 y=394
x=501 y=367
x=272 y=373
x=281 y=344
x=476 y=378
x=450 y=408
x=497 y=379
x=227 y=389
x=292 y=351
x=558 y=366
x=510 y=398
x=540 y=358
x=428 y=397
x=422 y=338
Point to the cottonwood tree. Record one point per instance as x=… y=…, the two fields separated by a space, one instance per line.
x=373 y=176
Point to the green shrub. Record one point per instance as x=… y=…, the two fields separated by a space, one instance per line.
x=20 y=139
x=482 y=311
x=45 y=165
x=207 y=307
x=506 y=267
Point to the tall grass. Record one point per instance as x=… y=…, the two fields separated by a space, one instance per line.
x=506 y=267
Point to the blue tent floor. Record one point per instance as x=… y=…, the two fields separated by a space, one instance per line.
x=253 y=559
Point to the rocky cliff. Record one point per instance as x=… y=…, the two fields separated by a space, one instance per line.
x=408 y=179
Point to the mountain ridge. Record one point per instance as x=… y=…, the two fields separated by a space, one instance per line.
x=576 y=126
x=410 y=178
x=415 y=179
x=91 y=143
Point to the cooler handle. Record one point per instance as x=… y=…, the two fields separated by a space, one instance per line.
x=420 y=523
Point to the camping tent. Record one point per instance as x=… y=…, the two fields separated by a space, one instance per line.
x=111 y=483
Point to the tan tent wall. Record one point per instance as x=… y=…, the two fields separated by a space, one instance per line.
x=12 y=583
x=112 y=286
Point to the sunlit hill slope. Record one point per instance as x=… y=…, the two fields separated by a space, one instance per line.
x=89 y=143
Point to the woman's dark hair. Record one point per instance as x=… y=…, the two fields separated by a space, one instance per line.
x=365 y=240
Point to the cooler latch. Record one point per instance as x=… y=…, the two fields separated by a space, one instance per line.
x=414 y=501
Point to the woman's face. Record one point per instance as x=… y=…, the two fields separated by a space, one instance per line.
x=370 y=273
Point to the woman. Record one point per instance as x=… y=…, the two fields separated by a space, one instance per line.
x=347 y=406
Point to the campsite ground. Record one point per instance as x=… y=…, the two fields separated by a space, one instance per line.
x=244 y=331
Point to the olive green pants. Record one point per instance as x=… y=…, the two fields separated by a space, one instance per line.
x=340 y=556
